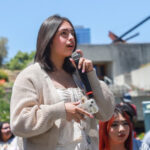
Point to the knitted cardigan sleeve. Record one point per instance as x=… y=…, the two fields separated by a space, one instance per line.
x=103 y=96
x=30 y=116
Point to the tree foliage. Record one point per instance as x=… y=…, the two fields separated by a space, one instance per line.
x=20 y=61
x=4 y=104
x=3 y=49
x=3 y=75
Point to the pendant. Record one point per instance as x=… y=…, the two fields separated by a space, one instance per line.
x=88 y=139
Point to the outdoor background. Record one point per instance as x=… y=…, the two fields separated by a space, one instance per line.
x=20 y=21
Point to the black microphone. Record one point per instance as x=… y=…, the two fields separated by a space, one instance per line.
x=76 y=56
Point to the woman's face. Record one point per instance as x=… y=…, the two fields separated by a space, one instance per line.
x=6 y=132
x=119 y=130
x=63 y=42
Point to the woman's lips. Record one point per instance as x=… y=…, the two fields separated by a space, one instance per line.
x=121 y=135
x=70 y=46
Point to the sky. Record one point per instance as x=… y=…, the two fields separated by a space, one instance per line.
x=20 y=20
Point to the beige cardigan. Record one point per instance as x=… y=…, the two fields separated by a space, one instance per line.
x=36 y=110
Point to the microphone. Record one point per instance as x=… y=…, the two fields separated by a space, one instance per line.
x=76 y=56
x=90 y=104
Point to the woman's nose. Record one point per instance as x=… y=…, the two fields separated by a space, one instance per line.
x=71 y=37
x=121 y=127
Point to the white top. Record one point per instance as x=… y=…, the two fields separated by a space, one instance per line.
x=36 y=110
x=9 y=145
x=71 y=134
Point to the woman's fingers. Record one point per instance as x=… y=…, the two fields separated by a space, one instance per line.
x=85 y=64
x=76 y=113
x=72 y=61
x=76 y=103
x=78 y=117
x=81 y=62
x=88 y=65
x=80 y=51
x=83 y=112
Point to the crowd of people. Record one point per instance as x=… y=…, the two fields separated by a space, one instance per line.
x=46 y=96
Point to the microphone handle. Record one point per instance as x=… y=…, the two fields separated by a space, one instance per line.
x=85 y=81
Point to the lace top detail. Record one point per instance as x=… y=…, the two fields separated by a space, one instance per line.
x=71 y=135
x=70 y=94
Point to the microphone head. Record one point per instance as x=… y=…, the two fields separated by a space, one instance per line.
x=75 y=56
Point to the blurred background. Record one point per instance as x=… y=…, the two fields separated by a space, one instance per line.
x=115 y=35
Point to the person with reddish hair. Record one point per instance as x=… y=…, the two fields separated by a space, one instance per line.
x=116 y=133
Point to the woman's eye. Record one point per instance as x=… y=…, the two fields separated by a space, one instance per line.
x=114 y=125
x=125 y=123
x=72 y=33
x=63 y=33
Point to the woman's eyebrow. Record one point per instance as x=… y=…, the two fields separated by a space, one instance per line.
x=66 y=29
x=120 y=121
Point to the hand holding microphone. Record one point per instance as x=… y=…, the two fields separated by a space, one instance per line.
x=81 y=63
x=83 y=66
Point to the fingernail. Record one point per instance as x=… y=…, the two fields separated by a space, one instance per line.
x=91 y=116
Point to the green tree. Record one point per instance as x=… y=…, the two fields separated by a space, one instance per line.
x=4 y=104
x=4 y=111
x=3 y=49
x=20 y=61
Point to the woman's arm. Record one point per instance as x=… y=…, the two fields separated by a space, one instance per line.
x=103 y=96
x=29 y=116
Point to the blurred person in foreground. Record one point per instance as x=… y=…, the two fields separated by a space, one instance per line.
x=146 y=138
x=117 y=133
x=7 y=140
x=46 y=95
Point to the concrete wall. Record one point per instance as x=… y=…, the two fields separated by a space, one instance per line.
x=141 y=78
x=123 y=57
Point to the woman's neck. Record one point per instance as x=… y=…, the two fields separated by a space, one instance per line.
x=58 y=63
x=117 y=147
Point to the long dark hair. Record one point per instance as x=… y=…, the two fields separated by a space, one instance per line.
x=46 y=34
x=105 y=126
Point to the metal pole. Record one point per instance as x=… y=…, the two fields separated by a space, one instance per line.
x=140 y=23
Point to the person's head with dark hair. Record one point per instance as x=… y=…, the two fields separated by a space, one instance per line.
x=130 y=110
x=46 y=43
x=116 y=132
x=5 y=132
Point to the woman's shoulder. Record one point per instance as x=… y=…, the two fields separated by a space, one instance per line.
x=33 y=72
x=33 y=69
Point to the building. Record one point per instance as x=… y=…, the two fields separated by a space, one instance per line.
x=83 y=35
x=123 y=65
x=114 y=60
